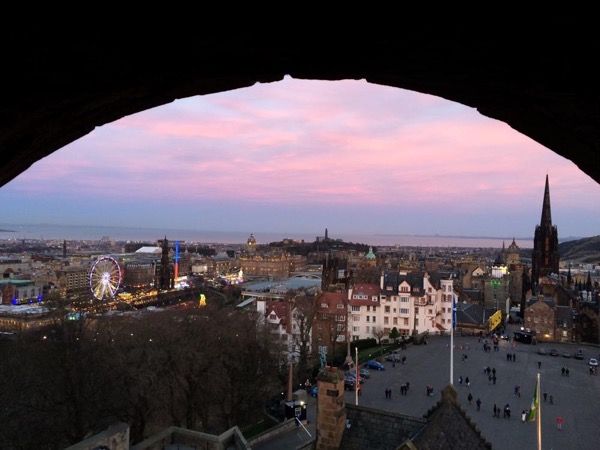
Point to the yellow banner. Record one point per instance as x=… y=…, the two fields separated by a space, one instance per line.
x=495 y=320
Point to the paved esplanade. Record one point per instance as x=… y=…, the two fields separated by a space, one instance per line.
x=576 y=398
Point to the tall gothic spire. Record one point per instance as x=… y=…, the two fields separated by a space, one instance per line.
x=546 y=221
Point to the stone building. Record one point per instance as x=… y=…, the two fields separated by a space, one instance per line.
x=545 y=257
x=550 y=322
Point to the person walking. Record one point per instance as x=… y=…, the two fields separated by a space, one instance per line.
x=467 y=381
x=559 y=422
x=478 y=404
x=545 y=396
x=539 y=364
x=470 y=398
x=523 y=416
x=495 y=410
x=551 y=400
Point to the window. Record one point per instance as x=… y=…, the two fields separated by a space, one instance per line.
x=385 y=321
x=356 y=309
x=395 y=321
x=374 y=319
x=355 y=329
x=368 y=308
x=430 y=311
x=404 y=299
x=323 y=305
x=405 y=322
x=403 y=310
x=387 y=309
x=416 y=310
x=340 y=306
x=368 y=319
x=356 y=318
x=368 y=329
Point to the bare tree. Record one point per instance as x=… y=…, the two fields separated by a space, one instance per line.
x=378 y=333
x=303 y=316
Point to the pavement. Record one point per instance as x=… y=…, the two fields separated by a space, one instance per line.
x=576 y=398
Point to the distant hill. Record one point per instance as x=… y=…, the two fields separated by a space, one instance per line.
x=585 y=250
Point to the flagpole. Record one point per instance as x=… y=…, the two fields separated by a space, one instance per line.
x=452 y=340
x=357 y=376
x=539 y=415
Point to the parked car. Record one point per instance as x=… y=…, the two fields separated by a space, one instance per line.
x=364 y=373
x=566 y=354
x=375 y=365
x=542 y=351
x=392 y=357
x=579 y=354
x=349 y=384
x=553 y=352
x=593 y=362
x=352 y=375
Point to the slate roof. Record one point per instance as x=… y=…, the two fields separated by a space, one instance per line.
x=446 y=426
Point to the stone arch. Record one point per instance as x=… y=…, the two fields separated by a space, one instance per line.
x=544 y=88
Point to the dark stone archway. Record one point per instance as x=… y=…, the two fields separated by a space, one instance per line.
x=57 y=87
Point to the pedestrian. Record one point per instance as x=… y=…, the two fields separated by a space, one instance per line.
x=567 y=371
x=545 y=396
x=470 y=398
x=551 y=400
x=494 y=379
x=478 y=404
x=539 y=364
x=387 y=393
x=562 y=371
x=460 y=380
x=467 y=381
x=407 y=385
x=523 y=416
x=559 y=422
x=495 y=410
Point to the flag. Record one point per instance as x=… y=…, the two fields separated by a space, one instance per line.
x=453 y=311
x=535 y=403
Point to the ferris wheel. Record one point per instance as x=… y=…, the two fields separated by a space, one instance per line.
x=105 y=278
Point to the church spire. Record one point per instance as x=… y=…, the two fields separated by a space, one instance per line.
x=546 y=221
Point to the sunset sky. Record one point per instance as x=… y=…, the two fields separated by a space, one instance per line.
x=302 y=156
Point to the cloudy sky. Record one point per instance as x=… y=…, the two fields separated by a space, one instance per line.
x=302 y=156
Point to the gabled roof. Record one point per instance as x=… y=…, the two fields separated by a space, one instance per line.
x=331 y=299
x=441 y=428
x=448 y=424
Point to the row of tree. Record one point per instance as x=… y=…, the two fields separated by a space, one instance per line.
x=205 y=369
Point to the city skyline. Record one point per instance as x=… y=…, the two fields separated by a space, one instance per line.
x=301 y=156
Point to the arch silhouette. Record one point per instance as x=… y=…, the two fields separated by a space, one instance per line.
x=60 y=86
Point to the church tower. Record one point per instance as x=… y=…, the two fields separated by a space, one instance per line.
x=544 y=260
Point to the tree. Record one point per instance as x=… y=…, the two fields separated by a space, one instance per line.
x=394 y=334
x=303 y=315
x=378 y=333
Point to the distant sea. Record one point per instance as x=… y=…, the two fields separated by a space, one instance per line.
x=95 y=233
